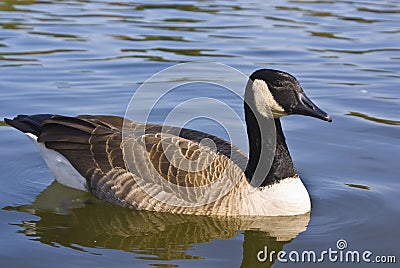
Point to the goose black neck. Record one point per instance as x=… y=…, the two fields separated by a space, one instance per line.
x=282 y=165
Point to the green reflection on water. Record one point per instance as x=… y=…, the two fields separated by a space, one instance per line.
x=51 y=51
x=183 y=20
x=379 y=11
x=190 y=8
x=367 y=51
x=193 y=52
x=375 y=119
x=151 y=38
x=328 y=35
x=16 y=59
x=76 y=220
x=10 y=5
x=59 y=35
x=359 y=186
x=12 y=26
x=145 y=57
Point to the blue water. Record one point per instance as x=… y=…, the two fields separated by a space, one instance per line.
x=89 y=57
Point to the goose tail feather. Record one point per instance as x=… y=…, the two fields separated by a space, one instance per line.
x=29 y=123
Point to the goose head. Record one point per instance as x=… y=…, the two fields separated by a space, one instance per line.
x=272 y=91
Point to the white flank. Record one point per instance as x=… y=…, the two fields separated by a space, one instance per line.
x=60 y=167
x=285 y=198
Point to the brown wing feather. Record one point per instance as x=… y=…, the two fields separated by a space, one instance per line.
x=93 y=145
x=86 y=141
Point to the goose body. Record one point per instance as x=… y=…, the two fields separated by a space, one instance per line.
x=143 y=172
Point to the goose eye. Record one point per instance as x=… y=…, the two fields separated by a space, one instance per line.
x=277 y=83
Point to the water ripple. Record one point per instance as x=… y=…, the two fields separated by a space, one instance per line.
x=375 y=119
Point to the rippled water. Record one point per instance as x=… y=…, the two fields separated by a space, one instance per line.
x=75 y=57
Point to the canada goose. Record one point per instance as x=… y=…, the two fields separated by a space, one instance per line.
x=89 y=153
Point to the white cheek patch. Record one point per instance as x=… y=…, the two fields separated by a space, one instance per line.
x=264 y=99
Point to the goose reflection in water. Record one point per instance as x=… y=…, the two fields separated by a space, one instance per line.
x=76 y=220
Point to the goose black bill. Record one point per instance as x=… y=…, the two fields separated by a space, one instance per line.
x=306 y=107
